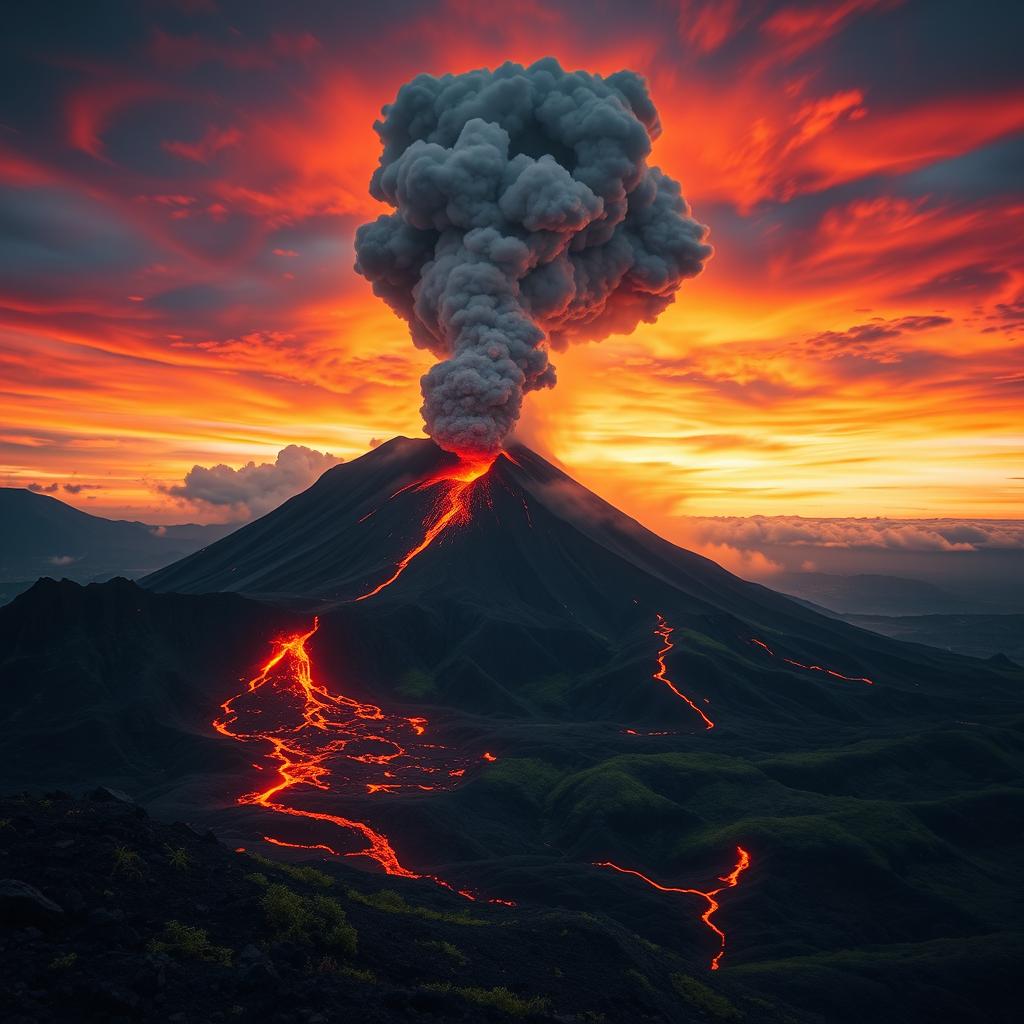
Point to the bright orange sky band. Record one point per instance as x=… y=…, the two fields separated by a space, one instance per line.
x=852 y=349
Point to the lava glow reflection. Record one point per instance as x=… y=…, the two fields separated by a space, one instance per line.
x=729 y=881
x=329 y=742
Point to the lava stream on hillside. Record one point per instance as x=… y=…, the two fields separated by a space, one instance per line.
x=665 y=631
x=453 y=506
x=812 y=668
x=729 y=881
x=327 y=742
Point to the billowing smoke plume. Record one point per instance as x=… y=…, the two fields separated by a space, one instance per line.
x=526 y=215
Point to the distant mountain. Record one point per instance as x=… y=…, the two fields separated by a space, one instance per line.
x=980 y=636
x=874 y=594
x=41 y=536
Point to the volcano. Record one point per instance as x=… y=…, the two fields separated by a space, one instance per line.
x=532 y=574
x=487 y=684
x=531 y=544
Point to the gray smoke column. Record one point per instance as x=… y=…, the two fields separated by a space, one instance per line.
x=525 y=217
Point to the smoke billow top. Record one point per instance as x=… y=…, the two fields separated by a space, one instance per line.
x=525 y=217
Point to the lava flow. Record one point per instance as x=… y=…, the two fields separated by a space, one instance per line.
x=813 y=668
x=665 y=631
x=730 y=881
x=453 y=507
x=312 y=731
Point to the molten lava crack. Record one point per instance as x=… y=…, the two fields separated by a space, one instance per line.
x=665 y=631
x=730 y=881
x=813 y=668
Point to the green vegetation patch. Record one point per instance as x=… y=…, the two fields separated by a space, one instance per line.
x=295 y=871
x=388 y=901
x=311 y=920
x=416 y=684
x=127 y=863
x=446 y=949
x=550 y=692
x=524 y=778
x=187 y=942
x=499 y=998
x=705 y=999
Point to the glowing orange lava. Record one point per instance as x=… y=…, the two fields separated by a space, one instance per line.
x=813 y=668
x=730 y=881
x=664 y=630
x=453 y=507
x=312 y=732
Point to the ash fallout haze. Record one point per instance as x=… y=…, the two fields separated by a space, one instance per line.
x=348 y=678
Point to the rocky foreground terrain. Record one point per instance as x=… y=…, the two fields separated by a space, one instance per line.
x=108 y=915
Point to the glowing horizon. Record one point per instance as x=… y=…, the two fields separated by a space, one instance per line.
x=180 y=292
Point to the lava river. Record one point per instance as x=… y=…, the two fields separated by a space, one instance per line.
x=327 y=742
x=812 y=668
x=729 y=881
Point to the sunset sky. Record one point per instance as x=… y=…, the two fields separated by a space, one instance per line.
x=180 y=184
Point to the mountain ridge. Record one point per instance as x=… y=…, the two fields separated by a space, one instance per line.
x=42 y=534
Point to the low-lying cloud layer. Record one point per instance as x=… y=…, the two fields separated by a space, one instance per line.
x=890 y=534
x=253 y=489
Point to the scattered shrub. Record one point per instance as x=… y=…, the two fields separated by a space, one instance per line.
x=177 y=857
x=295 y=871
x=366 y=976
x=62 y=963
x=699 y=996
x=447 y=949
x=127 y=863
x=390 y=902
x=499 y=998
x=187 y=942
x=642 y=981
x=317 y=920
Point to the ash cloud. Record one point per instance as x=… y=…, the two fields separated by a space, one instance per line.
x=526 y=216
x=255 y=488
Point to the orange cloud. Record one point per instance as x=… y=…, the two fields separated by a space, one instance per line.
x=179 y=288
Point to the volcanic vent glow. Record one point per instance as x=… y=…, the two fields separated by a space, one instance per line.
x=453 y=507
x=329 y=742
x=729 y=881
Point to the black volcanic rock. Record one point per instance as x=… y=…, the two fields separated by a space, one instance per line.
x=21 y=903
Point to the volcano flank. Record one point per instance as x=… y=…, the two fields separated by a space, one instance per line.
x=482 y=686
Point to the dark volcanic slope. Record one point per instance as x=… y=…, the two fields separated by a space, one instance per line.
x=538 y=544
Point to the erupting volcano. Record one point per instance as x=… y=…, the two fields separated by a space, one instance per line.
x=452 y=507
